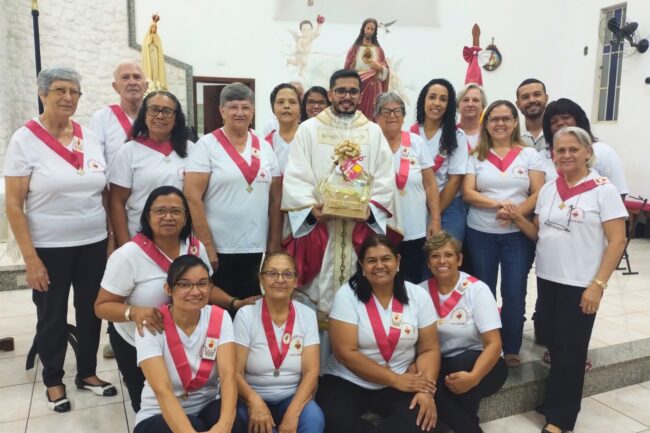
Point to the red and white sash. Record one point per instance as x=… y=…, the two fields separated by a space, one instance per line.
x=269 y=138
x=121 y=116
x=401 y=177
x=386 y=343
x=276 y=355
x=566 y=193
x=415 y=128
x=177 y=349
x=447 y=306
x=506 y=162
x=165 y=147
x=74 y=157
x=249 y=171
x=152 y=251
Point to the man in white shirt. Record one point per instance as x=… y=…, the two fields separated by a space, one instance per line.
x=310 y=160
x=531 y=101
x=113 y=123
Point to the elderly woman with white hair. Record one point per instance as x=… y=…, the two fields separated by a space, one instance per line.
x=54 y=181
x=471 y=101
x=233 y=186
x=417 y=189
x=580 y=228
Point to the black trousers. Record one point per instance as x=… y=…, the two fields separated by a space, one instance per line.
x=568 y=331
x=238 y=274
x=127 y=363
x=460 y=411
x=413 y=266
x=343 y=403
x=201 y=422
x=83 y=268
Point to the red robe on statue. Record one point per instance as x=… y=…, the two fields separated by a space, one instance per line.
x=371 y=84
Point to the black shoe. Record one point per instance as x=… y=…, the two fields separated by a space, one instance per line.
x=61 y=404
x=104 y=389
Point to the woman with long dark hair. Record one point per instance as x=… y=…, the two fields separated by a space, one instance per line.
x=379 y=326
x=154 y=156
x=313 y=102
x=436 y=124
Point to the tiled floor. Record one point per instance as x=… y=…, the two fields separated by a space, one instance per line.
x=624 y=316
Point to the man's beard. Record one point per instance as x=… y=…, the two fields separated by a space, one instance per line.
x=344 y=114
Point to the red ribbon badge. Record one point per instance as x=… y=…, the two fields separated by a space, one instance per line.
x=122 y=118
x=178 y=351
x=165 y=147
x=404 y=162
x=453 y=299
x=276 y=355
x=503 y=164
x=152 y=251
x=386 y=343
x=566 y=193
x=74 y=157
x=249 y=171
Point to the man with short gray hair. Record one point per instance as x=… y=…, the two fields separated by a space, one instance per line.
x=112 y=124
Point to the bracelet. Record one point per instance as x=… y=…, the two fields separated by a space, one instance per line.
x=231 y=304
x=602 y=284
x=127 y=313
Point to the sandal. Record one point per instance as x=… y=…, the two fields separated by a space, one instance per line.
x=512 y=360
x=103 y=389
x=61 y=404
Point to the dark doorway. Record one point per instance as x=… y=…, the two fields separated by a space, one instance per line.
x=207 y=91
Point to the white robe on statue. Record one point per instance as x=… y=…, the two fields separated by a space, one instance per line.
x=310 y=160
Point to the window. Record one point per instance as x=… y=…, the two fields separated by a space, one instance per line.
x=609 y=85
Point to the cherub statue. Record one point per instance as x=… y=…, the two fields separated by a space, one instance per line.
x=304 y=40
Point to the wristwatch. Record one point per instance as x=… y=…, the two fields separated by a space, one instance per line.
x=127 y=313
x=602 y=284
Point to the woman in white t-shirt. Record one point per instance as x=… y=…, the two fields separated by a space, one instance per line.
x=436 y=124
x=54 y=182
x=190 y=367
x=380 y=326
x=579 y=226
x=417 y=191
x=285 y=103
x=234 y=188
x=277 y=356
x=471 y=367
x=132 y=289
x=502 y=170
x=155 y=155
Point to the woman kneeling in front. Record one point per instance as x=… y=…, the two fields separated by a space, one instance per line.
x=277 y=356
x=471 y=367
x=190 y=368
x=379 y=326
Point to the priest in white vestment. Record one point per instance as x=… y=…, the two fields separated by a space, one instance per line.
x=327 y=258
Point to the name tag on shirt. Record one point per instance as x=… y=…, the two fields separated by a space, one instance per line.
x=210 y=349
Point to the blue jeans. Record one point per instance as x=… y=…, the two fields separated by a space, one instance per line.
x=453 y=218
x=311 y=418
x=514 y=252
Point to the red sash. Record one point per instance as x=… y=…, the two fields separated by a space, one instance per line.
x=152 y=251
x=249 y=171
x=503 y=164
x=453 y=299
x=415 y=128
x=269 y=138
x=122 y=118
x=178 y=351
x=74 y=157
x=566 y=193
x=404 y=162
x=165 y=147
x=386 y=343
x=276 y=355
x=438 y=161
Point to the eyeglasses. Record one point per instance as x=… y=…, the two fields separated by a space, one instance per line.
x=186 y=286
x=274 y=275
x=166 y=112
x=503 y=119
x=233 y=108
x=320 y=102
x=342 y=91
x=160 y=212
x=386 y=112
x=559 y=225
x=61 y=92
